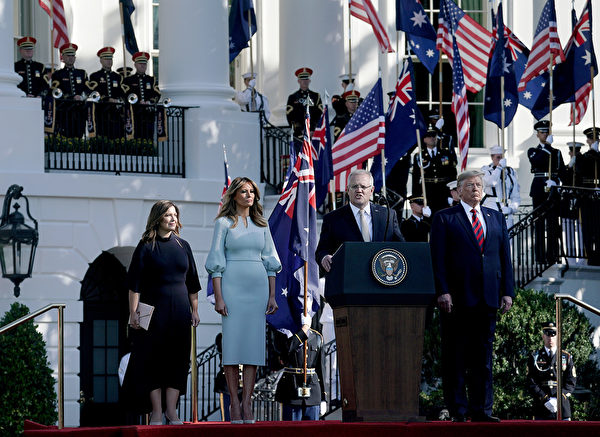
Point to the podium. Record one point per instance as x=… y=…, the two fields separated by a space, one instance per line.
x=379 y=327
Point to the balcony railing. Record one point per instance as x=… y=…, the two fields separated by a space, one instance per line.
x=274 y=153
x=116 y=138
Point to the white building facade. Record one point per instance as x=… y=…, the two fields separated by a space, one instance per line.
x=84 y=216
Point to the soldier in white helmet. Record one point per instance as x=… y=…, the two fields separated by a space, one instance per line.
x=501 y=186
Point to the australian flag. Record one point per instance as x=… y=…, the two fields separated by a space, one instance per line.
x=402 y=120
x=501 y=65
x=323 y=163
x=412 y=20
x=238 y=26
x=293 y=225
x=129 y=34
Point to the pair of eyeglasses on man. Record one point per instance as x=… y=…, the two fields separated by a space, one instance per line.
x=362 y=187
x=470 y=186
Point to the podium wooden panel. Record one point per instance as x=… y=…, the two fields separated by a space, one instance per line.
x=379 y=332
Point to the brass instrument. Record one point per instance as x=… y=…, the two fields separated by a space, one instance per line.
x=132 y=99
x=166 y=102
x=94 y=97
x=57 y=93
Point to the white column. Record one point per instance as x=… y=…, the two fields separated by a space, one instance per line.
x=194 y=53
x=8 y=78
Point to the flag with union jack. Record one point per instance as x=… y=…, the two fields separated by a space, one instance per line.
x=402 y=120
x=474 y=43
x=364 y=10
x=545 y=43
x=293 y=225
x=364 y=135
x=55 y=9
x=321 y=149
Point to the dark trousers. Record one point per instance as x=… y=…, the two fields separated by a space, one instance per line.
x=590 y=223
x=70 y=118
x=467 y=344
x=300 y=412
x=547 y=232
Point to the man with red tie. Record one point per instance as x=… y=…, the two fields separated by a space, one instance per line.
x=473 y=279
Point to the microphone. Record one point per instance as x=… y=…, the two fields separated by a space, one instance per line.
x=382 y=200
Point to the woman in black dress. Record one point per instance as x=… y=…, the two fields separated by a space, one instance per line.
x=163 y=274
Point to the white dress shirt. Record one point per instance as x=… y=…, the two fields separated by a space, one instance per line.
x=468 y=209
x=368 y=217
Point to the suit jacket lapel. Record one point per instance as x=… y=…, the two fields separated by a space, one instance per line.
x=378 y=226
x=489 y=229
x=353 y=225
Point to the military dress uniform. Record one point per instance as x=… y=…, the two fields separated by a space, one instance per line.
x=541 y=374
x=501 y=188
x=588 y=166
x=415 y=229
x=34 y=82
x=293 y=378
x=438 y=170
x=70 y=114
x=296 y=106
x=146 y=89
x=108 y=83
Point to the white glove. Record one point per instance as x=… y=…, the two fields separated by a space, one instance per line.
x=439 y=124
x=550 y=139
x=252 y=83
x=323 y=408
x=427 y=211
x=595 y=145
x=506 y=210
x=551 y=405
x=502 y=163
x=572 y=161
x=305 y=320
x=450 y=201
x=550 y=183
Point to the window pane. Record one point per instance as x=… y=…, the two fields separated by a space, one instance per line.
x=99 y=333
x=99 y=361
x=112 y=332
x=112 y=361
x=112 y=389
x=99 y=389
x=155 y=26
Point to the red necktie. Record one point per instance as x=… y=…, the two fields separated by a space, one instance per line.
x=477 y=229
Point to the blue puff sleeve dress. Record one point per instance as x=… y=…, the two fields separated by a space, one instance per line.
x=243 y=257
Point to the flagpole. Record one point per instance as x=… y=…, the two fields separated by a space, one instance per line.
x=502 y=122
x=123 y=39
x=252 y=90
x=593 y=101
x=305 y=315
x=51 y=40
x=550 y=113
x=421 y=167
x=397 y=54
x=440 y=84
x=349 y=43
x=383 y=185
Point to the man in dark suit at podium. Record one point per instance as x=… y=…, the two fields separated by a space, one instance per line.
x=473 y=279
x=360 y=220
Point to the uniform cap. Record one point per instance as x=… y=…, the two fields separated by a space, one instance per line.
x=542 y=126
x=351 y=96
x=27 y=42
x=416 y=199
x=452 y=185
x=434 y=114
x=431 y=132
x=496 y=150
x=574 y=145
x=589 y=132
x=141 y=57
x=549 y=328
x=249 y=75
x=346 y=78
x=68 y=49
x=128 y=69
x=304 y=73
x=106 y=53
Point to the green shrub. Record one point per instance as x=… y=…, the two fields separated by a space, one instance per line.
x=518 y=334
x=26 y=382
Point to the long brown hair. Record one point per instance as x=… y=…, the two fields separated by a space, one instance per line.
x=158 y=211
x=229 y=208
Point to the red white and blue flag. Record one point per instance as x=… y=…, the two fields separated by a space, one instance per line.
x=364 y=10
x=460 y=108
x=323 y=164
x=293 y=225
x=545 y=43
x=56 y=10
x=364 y=135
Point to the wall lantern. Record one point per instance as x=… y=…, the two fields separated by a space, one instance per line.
x=18 y=241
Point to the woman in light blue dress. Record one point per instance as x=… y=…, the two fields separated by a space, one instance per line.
x=243 y=263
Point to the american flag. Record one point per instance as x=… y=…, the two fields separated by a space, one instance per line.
x=340 y=180
x=364 y=135
x=460 y=107
x=545 y=43
x=54 y=8
x=364 y=10
x=474 y=43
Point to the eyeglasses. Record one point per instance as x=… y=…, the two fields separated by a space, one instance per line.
x=470 y=186
x=362 y=187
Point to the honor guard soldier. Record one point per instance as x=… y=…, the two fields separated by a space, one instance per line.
x=296 y=104
x=589 y=169
x=573 y=178
x=454 y=198
x=416 y=228
x=34 y=83
x=548 y=170
x=108 y=84
x=542 y=377
x=71 y=83
x=146 y=92
x=340 y=121
x=251 y=100
x=302 y=402
x=501 y=186
x=439 y=168
x=337 y=101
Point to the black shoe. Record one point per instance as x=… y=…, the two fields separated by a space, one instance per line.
x=484 y=418
x=459 y=418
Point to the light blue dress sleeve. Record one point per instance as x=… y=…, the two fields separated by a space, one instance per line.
x=215 y=262
x=269 y=256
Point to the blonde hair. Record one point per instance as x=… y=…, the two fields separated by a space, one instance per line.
x=157 y=212
x=229 y=208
